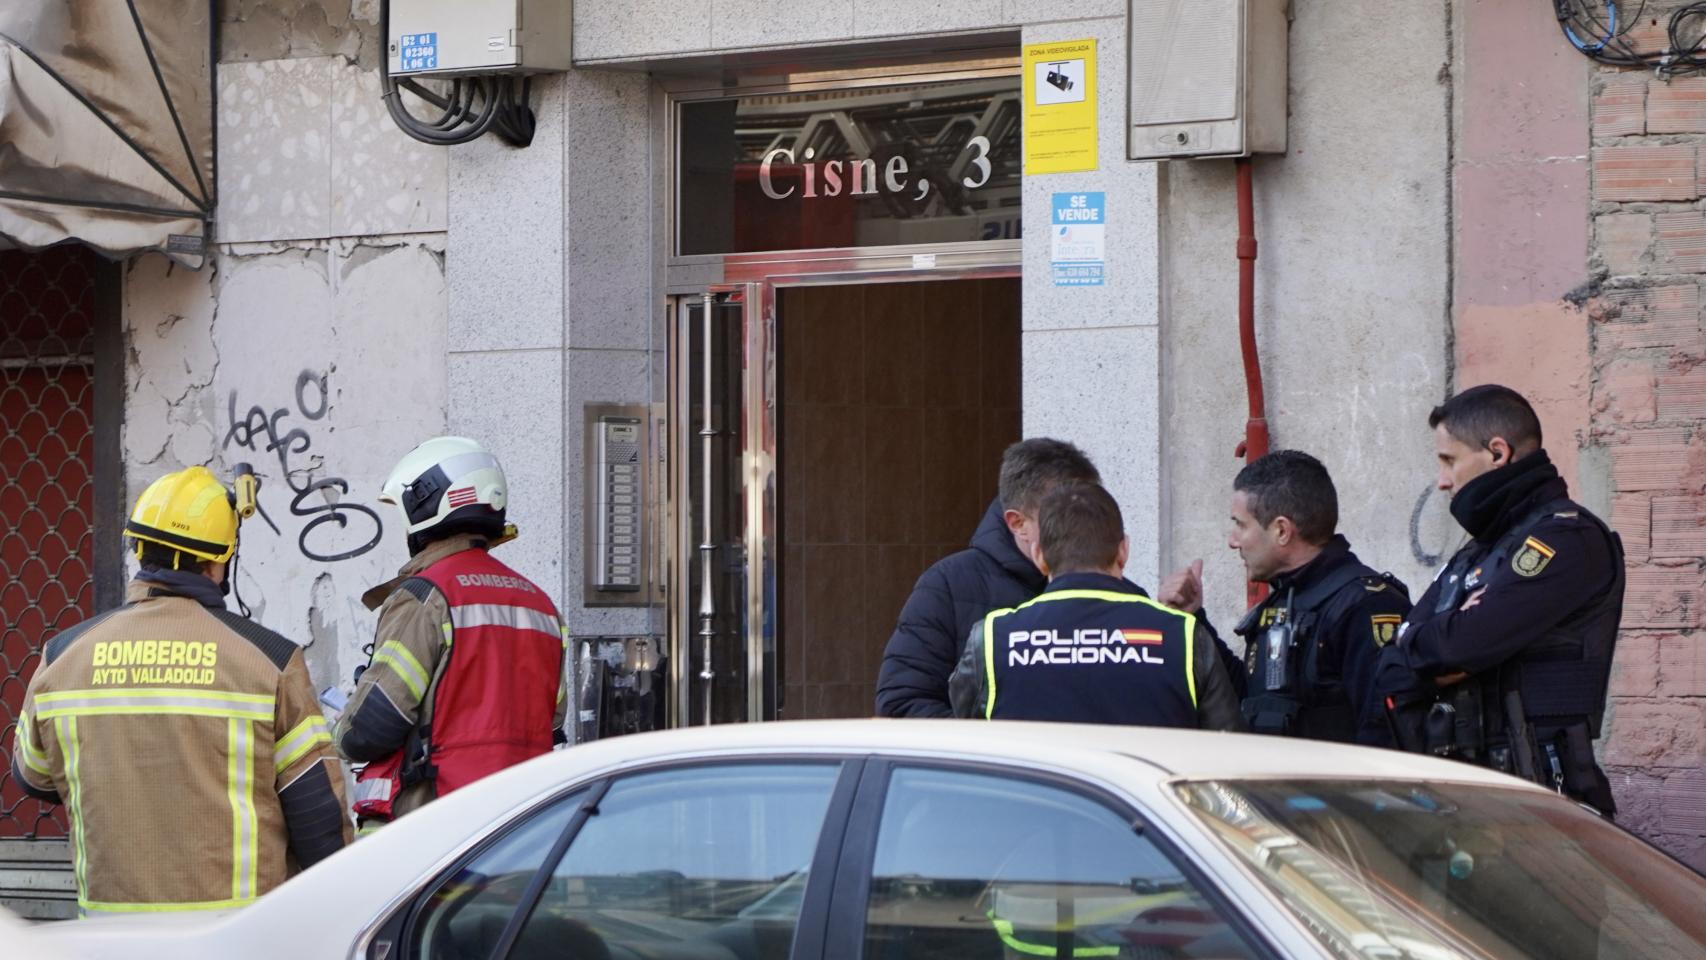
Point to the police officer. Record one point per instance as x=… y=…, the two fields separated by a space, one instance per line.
x=467 y=670
x=1504 y=661
x=184 y=740
x=1312 y=644
x=1092 y=648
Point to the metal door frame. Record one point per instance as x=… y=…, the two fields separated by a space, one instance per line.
x=760 y=393
x=755 y=278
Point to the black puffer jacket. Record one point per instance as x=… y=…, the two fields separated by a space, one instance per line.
x=949 y=599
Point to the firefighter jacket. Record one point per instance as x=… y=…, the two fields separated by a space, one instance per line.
x=466 y=677
x=1338 y=613
x=1529 y=611
x=188 y=749
x=1093 y=649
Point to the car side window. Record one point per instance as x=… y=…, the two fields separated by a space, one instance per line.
x=973 y=866
x=691 y=863
x=465 y=914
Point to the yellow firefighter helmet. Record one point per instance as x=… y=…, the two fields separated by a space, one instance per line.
x=189 y=511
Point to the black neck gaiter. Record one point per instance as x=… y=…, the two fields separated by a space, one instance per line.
x=1490 y=503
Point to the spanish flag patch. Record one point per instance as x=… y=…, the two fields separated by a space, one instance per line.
x=1385 y=627
x=1532 y=558
x=1145 y=638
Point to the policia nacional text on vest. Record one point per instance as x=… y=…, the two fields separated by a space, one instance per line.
x=1093 y=649
x=1537 y=714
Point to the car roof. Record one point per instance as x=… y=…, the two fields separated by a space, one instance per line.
x=1194 y=754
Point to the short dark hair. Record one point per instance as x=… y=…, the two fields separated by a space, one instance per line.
x=1079 y=528
x=1031 y=468
x=1291 y=483
x=1479 y=414
x=158 y=556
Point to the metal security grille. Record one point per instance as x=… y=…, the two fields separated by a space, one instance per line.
x=47 y=309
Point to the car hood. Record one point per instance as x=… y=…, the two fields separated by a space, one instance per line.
x=94 y=938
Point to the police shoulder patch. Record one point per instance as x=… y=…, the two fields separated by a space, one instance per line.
x=1385 y=627
x=1532 y=558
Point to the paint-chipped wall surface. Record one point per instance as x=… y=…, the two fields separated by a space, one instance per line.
x=313 y=346
x=262 y=30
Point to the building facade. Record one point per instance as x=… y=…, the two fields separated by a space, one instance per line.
x=816 y=385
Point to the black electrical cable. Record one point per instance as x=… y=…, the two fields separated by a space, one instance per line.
x=1605 y=38
x=474 y=106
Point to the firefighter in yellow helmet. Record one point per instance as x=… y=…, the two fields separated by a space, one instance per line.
x=184 y=741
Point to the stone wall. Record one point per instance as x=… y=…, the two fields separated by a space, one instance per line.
x=1648 y=398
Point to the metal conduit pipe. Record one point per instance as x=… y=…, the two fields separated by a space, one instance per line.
x=707 y=541
x=1255 y=442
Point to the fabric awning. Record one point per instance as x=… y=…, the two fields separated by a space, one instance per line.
x=107 y=125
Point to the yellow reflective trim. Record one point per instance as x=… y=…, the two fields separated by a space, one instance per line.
x=397 y=646
x=143 y=692
x=311 y=732
x=1190 y=658
x=563 y=630
x=245 y=825
x=449 y=633
x=161 y=710
x=405 y=666
x=68 y=747
x=1109 y=595
x=96 y=906
x=236 y=808
x=989 y=662
x=27 y=751
x=1004 y=930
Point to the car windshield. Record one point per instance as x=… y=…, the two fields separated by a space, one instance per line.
x=1440 y=871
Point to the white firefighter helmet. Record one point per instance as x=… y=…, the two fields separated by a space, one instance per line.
x=450 y=483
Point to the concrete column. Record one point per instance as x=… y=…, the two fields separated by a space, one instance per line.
x=1090 y=353
x=505 y=271
x=609 y=302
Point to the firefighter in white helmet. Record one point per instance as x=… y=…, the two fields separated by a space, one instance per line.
x=466 y=676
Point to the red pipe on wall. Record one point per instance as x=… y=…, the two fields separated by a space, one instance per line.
x=1255 y=442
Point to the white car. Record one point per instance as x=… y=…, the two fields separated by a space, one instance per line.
x=930 y=840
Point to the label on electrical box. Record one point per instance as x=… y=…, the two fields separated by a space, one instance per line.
x=417 y=51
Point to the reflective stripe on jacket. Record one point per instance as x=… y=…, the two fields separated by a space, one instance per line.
x=170 y=729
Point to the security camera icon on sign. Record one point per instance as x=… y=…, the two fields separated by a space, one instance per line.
x=1061 y=81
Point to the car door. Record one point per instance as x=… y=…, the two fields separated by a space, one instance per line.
x=960 y=861
x=713 y=860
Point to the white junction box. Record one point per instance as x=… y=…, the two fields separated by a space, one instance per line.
x=454 y=37
x=1207 y=78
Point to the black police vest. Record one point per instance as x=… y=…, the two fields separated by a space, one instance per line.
x=1563 y=678
x=1303 y=702
x=1091 y=656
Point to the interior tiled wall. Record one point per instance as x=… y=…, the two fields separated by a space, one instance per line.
x=896 y=402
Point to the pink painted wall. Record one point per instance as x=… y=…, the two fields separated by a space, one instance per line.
x=1520 y=179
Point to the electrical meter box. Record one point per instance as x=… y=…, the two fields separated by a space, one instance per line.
x=447 y=38
x=1207 y=78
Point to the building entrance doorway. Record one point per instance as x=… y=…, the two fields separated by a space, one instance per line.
x=829 y=441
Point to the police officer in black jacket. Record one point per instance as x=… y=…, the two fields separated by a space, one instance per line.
x=1311 y=646
x=1504 y=662
x=995 y=571
x=1092 y=648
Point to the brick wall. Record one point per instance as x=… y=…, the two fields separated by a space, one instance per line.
x=1649 y=398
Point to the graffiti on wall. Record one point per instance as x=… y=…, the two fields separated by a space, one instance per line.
x=318 y=497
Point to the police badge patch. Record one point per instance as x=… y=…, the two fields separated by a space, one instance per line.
x=1385 y=627
x=1532 y=558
